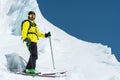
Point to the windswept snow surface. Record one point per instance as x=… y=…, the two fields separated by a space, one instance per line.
x=83 y=60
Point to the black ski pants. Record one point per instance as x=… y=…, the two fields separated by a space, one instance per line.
x=32 y=47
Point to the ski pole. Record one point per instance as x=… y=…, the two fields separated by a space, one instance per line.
x=52 y=52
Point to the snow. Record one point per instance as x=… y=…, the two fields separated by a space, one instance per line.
x=83 y=60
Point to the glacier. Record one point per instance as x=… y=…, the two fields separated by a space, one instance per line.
x=83 y=60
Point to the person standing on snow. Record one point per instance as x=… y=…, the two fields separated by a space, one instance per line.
x=30 y=34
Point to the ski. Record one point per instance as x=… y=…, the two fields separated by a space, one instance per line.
x=55 y=73
x=49 y=75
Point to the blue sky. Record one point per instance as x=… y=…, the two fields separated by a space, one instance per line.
x=90 y=20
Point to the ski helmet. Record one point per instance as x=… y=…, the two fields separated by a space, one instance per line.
x=31 y=15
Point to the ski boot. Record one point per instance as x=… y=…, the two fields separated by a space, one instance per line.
x=30 y=71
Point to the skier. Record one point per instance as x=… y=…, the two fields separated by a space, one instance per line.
x=30 y=34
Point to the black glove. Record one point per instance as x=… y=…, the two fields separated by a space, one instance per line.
x=47 y=34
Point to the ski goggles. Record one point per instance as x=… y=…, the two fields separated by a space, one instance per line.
x=32 y=16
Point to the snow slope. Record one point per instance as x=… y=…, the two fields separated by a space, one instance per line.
x=83 y=60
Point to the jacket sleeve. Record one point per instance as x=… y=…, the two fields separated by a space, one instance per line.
x=25 y=27
x=40 y=34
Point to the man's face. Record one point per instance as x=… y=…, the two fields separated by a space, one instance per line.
x=32 y=16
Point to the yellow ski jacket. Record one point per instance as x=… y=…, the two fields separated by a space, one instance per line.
x=31 y=31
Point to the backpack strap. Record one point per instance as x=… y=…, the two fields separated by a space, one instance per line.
x=31 y=24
